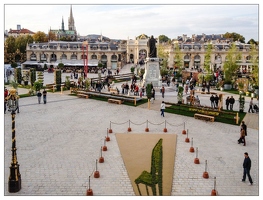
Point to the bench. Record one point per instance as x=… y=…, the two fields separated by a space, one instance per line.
x=83 y=96
x=114 y=101
x=113 y=91
x=204 y=117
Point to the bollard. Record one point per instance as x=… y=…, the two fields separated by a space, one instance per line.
x=107 y=138
x=187 y=139
x=205 y=174
x=129 y=129
x=96 y=173
x=110 y=130
x=101 y=160
x=196 y=161
x=104 y=148
x=214 y=192
x=89 y=191
x=184 y=131
x=165 y=129
x=192 y=148
x=147 y=129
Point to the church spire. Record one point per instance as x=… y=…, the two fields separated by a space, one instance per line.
x=71 y=25
x=62 y=27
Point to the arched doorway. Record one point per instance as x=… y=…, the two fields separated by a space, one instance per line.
x=131 y=58
x=114 y=61
x=186 y=61
x=104 y=60
x=197 y=60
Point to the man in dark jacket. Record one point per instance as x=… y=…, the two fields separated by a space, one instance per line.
x=247 y=166
x=212 y=99
x=231 y=102
x=216 y=101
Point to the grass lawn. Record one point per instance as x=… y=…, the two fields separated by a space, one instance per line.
x=224 y=116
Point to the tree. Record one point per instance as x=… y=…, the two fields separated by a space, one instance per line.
x=178 y=58
x=252 y=41
x=230 y=65
x=207 y=61
x=164 y=38
x=51 y=36
x=58 y=78
x=60 y=65
x=163 y=55
x=235 y=36
x=10 y=44
x=255 y=63
x=40 y=37
x=149 y=90
x=32 y=76
x=22 y=41
x=37 y=86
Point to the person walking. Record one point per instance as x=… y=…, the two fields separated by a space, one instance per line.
x=208 y=87
x=251 y=106
x=231 y=102
x=162 y=108
x=247 y=167
x=39 y=96
x=227 y=103
x=216 y=101
x=163 y=91
x=242 y=137
x=44 y=96
x=212 y=99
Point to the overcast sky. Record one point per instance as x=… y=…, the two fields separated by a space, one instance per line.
x=120 y=21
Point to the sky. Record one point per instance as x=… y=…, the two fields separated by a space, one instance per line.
x=127 y=21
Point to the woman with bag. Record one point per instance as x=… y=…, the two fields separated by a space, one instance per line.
x=242 y=137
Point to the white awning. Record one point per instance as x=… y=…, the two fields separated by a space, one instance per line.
x=29 y=62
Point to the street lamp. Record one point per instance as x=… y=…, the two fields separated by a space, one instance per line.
x=14 y=182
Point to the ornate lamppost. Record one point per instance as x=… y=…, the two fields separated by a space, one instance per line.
x=14 y=182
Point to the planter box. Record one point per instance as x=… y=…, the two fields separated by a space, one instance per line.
x=227 y=86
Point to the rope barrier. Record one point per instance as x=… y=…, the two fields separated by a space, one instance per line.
x=147 y=122
x=156 y=124
x=175 y=125
x=139 y=124
x=119 y=123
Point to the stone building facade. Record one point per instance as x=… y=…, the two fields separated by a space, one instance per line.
x=72 y=54
x=193 y=51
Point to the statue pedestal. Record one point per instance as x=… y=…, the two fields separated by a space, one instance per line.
x=152 y=72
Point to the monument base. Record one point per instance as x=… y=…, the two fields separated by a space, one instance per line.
x=152 y=72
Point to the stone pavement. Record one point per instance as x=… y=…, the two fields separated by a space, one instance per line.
x=58 y=144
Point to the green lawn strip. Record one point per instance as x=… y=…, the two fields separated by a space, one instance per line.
x=128 y=103
x=222 y=116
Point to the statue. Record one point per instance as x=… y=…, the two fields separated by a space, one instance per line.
x=151 y=45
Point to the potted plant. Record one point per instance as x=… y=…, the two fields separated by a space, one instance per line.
x=247 y=93
x=180 y=95
x=241 y=87
x=256 y=89
x=241 y=103
x=227 y=85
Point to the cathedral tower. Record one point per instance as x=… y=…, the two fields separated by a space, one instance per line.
x=71 y=24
